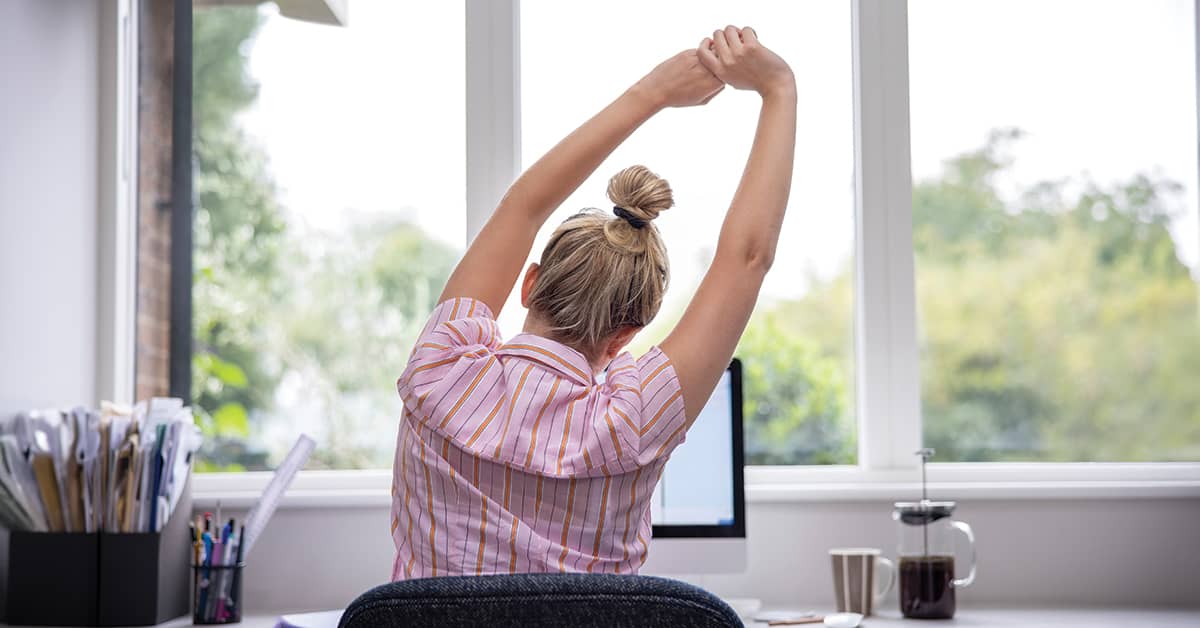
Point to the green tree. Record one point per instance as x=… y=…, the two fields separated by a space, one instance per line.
x=348 y=328
x=1057 y=326
x=795 y=399
x=333 y=313
x=238 y=233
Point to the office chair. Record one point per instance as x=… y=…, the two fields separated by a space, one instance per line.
x=539 y=601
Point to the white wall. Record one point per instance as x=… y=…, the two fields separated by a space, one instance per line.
x=48 y=116
x=1095 y=552
x=48 y=131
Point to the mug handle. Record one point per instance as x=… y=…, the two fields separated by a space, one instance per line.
x=958 y=583
x=891 y=582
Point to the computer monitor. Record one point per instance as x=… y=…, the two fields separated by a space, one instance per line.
x=699 y=508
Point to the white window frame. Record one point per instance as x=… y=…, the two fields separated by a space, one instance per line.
x=116 y=202
x=887 y=358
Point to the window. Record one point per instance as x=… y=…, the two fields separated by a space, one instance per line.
x=1055 y=229
x=798 y=350
x=1054 y=224
x=330 y=178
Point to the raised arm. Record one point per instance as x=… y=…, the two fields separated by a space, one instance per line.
x=703 y=341
x=495 y=258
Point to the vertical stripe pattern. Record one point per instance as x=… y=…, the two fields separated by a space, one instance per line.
x=514 y=458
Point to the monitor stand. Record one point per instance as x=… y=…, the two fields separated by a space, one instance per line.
x=695 y=556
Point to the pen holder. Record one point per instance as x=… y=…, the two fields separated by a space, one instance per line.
x=217 y=594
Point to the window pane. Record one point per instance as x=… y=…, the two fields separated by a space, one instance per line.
x=798 y=350
x=1055 y=228
x=331 y=209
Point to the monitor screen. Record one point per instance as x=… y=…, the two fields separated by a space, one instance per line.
x=700 y=493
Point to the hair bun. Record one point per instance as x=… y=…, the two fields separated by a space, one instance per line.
x=640 y=192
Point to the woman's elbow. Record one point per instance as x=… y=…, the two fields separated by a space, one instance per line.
x=749 y=259
x=759 y=259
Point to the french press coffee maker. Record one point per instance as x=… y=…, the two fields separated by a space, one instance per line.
x=927 y=581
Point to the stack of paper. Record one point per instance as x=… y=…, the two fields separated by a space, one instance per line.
x=116 y=469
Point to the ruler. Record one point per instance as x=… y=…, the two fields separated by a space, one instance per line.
x=258 y=517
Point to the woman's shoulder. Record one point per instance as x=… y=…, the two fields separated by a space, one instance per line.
x=652 y=367
x=645 y=404
x=460 y=322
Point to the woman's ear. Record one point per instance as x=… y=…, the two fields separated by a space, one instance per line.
x=531 y=274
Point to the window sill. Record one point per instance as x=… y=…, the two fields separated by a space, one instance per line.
x=976 y=481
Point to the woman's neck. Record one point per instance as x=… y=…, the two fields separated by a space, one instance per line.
x=538 y=327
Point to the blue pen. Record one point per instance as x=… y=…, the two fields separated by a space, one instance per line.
x=208 y=547
x=208 y=553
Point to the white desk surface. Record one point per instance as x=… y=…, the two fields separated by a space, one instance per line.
x=975 y=618
x=1039 y=618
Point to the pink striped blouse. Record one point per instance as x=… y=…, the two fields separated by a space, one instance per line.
x=511 y=457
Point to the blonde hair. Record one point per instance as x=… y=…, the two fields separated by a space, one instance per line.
x=600 y=273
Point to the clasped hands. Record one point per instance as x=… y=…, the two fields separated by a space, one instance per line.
x=731 y=56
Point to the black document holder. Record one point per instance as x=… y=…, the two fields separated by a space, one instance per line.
x=52 y=579
x=101 y=579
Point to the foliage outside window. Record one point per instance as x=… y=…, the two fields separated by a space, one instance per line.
x=1057 y=264
x=307 y=300
x=1058 y=308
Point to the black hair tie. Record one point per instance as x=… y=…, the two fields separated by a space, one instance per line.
x=634 y=221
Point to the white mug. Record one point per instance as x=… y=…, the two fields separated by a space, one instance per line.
x=854 y=581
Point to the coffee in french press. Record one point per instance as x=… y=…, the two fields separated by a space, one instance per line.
x=926 y=566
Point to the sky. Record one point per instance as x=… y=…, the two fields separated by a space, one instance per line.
x=368 y=119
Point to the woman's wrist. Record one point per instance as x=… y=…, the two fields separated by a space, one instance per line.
x=783 y=88
x=648 y=99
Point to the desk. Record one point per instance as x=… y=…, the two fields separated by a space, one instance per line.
x=974 y=618
x=1040 y=618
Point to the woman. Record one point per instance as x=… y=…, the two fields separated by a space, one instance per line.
x=541 y=454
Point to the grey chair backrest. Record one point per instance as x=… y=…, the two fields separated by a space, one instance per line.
x=539 y=600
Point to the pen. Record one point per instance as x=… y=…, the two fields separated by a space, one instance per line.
x=225 y=576
x=195 y=547
x=206 y=538
x=237 y=569
x=206 y=579
x=214 y=581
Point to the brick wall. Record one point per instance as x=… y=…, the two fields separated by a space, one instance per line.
x=154 y=193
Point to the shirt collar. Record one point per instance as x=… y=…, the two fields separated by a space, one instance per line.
x=553 y=354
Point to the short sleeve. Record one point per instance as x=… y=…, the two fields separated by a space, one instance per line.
x=459 y=330
x=648 y=400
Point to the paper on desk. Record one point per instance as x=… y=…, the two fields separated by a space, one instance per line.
x=87 y=452
x=120 y=470
x=12 y=516
x=15 y=509
x=76 y=426
x=145 y=500
x=16 y=468
x=45 y=444
x=184 y=439
x=321 y=619
x=125 y=479
x=118 y=428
